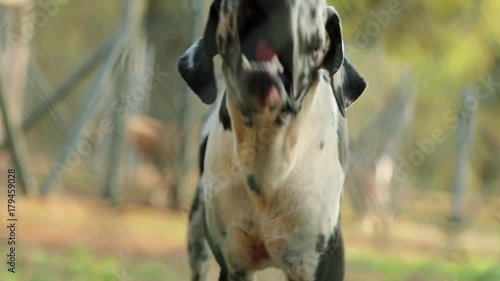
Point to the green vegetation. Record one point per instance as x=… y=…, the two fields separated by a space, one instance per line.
x=396 y=269
x=80 y=264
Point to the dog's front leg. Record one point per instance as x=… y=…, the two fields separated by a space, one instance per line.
x=233 y=262
x=300 y=261
x=318 y=259
x=199 y=253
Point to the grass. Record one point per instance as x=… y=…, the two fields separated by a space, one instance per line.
x=78 y=263
x=394 y=268
x=82 y=240
x=69 y=239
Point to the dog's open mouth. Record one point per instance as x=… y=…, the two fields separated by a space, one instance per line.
x=265 y=66
x=263 y=79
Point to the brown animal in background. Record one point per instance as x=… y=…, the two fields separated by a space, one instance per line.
x=377 y=182
x=160 y=143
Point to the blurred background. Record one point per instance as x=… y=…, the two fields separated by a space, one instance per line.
x=103 y=135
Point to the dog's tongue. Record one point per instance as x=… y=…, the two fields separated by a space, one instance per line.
x=264 y=51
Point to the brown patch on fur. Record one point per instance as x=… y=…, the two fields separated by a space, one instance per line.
x=253 y=250
x=262 y=202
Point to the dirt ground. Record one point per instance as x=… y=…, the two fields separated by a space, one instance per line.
x=70 y=227
x=136 y=231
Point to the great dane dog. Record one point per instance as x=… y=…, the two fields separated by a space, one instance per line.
x=274 y=150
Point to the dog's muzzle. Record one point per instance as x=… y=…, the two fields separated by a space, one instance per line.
x=264 y=69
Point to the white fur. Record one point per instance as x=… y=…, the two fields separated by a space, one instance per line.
x=299 y=181
x=301 y=187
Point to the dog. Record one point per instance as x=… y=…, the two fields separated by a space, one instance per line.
x=274 y=150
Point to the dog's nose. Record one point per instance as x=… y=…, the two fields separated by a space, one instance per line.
x=261 y=90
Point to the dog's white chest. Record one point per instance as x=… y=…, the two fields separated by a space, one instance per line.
x=258 y=229
x=257 y=235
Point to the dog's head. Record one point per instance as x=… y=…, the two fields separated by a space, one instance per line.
x=271 y=52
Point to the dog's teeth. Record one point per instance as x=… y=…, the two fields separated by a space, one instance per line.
x=275 y=62
x=273 y=66
x=245 y=63
x=267 y=66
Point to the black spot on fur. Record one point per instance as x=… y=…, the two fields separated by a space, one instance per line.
x=279 y=121
x=293 y=258
x=252 y=184
x=321 y=144
x=287 y=260
x=196 y=206
x=326 y=77
x=320 y=243
x=198 y=250
x=201 y=165
x=224 y=117
x=223 y=276
x=314 y=43
x=203 y=148
x=291 y=108
x=249 y=123
x=238 y=276
x=249 y=225
x=217 y=253
x=332 y=264
x=313 y=13
x=248 y=113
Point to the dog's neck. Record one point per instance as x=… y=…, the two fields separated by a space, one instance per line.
x=266 y=150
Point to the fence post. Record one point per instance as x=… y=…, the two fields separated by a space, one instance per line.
x=118 y=118
x=13 y=70
x=466 y=118
x=185 y=116
x=141 y=108
x=96 y=94
x=135 y=51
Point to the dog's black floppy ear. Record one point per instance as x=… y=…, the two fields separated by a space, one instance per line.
x=347 y=84
x=196 y=66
